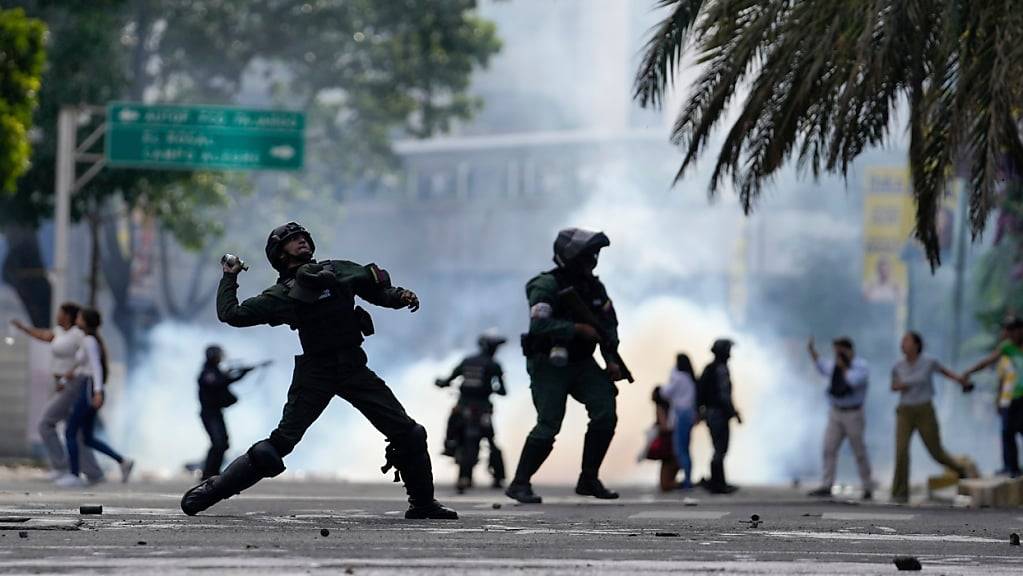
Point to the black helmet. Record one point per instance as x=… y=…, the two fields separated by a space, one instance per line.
x=490 y=341
x=279 y=236
x=721 y=346
x=574 y=242
x=214 y=352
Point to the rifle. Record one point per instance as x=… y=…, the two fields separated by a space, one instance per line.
x=573 y=302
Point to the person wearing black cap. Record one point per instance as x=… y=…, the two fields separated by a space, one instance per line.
x=848 y=375
x=317 y=299
x=714 y=400
x=214 y=396
x=1009 y=355
x=471 y=420
x=570 y=314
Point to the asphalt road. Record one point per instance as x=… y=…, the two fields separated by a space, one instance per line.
x=276 y=529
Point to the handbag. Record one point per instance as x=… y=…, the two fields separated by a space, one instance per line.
x=660 y=447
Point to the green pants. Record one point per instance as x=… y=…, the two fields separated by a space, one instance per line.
x=907 y=420
x=584 y=381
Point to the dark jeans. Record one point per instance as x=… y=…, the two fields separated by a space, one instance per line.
x=1012 y=424
x=213 y=421
x=717 y=423
x=317 y=379
x=83 y=419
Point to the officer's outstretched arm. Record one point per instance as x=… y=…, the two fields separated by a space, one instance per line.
x=251 y=312
x=374 y=286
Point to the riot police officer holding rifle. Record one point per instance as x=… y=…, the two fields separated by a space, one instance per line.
x=570 y=314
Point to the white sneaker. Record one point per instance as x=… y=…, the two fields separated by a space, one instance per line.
x=70 y=481
x=126 y=467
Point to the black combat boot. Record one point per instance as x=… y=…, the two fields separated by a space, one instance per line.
x=534 y=452
x=496 y=467
x=412 y=461
x=717 y=484
x=595 y=447
x=590 y=485
x=239 y=475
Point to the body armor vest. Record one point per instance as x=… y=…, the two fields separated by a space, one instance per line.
x=330 y=323
x=593 y=296
x=477 y=379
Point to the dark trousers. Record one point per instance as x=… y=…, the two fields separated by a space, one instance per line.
x=478 y=416
x=317 y=379
x=1012 y=425
x=83 y=420
x=213 y=421
x=717 y=423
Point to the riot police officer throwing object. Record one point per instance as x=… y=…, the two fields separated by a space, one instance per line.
x=317 y=299
x=214 y=396
x=471 y=420
x=570 y=314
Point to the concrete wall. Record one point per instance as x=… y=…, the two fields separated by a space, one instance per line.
x=14 y=398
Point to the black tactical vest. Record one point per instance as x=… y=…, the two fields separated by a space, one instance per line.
x=329 y=324
x=478 y=374
x=593 y=295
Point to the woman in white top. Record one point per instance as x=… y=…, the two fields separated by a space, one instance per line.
x=680 y=392
x=92 y=364
x=65 y=338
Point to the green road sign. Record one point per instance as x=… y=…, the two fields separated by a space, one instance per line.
x=203 y=137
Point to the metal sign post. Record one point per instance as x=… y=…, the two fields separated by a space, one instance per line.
x=165 y=137
x=70 y=153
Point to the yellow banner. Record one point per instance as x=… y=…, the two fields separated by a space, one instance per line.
x=887 y=225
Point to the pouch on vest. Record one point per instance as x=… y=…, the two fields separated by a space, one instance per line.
x=365 y=321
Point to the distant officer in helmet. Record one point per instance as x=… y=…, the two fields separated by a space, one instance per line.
x=317 y=299
x=214 y=396
x=471 y=419
x=570 y=315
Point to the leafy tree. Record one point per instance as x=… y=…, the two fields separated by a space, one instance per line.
x=362 y=70
x=824 y=78
x=21 y=64
x=1000 y=273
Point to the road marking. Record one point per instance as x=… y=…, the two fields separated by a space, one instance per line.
x=861 y=516
x=460 y=566
x=500 y=512
x=43 y=524
x=680 y=515
x=888 y=537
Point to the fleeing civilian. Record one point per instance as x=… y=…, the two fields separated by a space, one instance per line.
x=913 y=379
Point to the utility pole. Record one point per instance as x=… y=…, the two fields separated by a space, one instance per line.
x=960 y=273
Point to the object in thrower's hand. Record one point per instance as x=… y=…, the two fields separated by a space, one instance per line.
x=9 y=339
x=232 y=260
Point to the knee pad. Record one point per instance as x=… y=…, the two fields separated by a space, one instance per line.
x=543 y=433
x=265 y=459
x=411 y=441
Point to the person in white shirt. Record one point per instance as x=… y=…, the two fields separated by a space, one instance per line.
x=91 y=363
x=65 y=338
x=680 y=392
x=849 y=377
